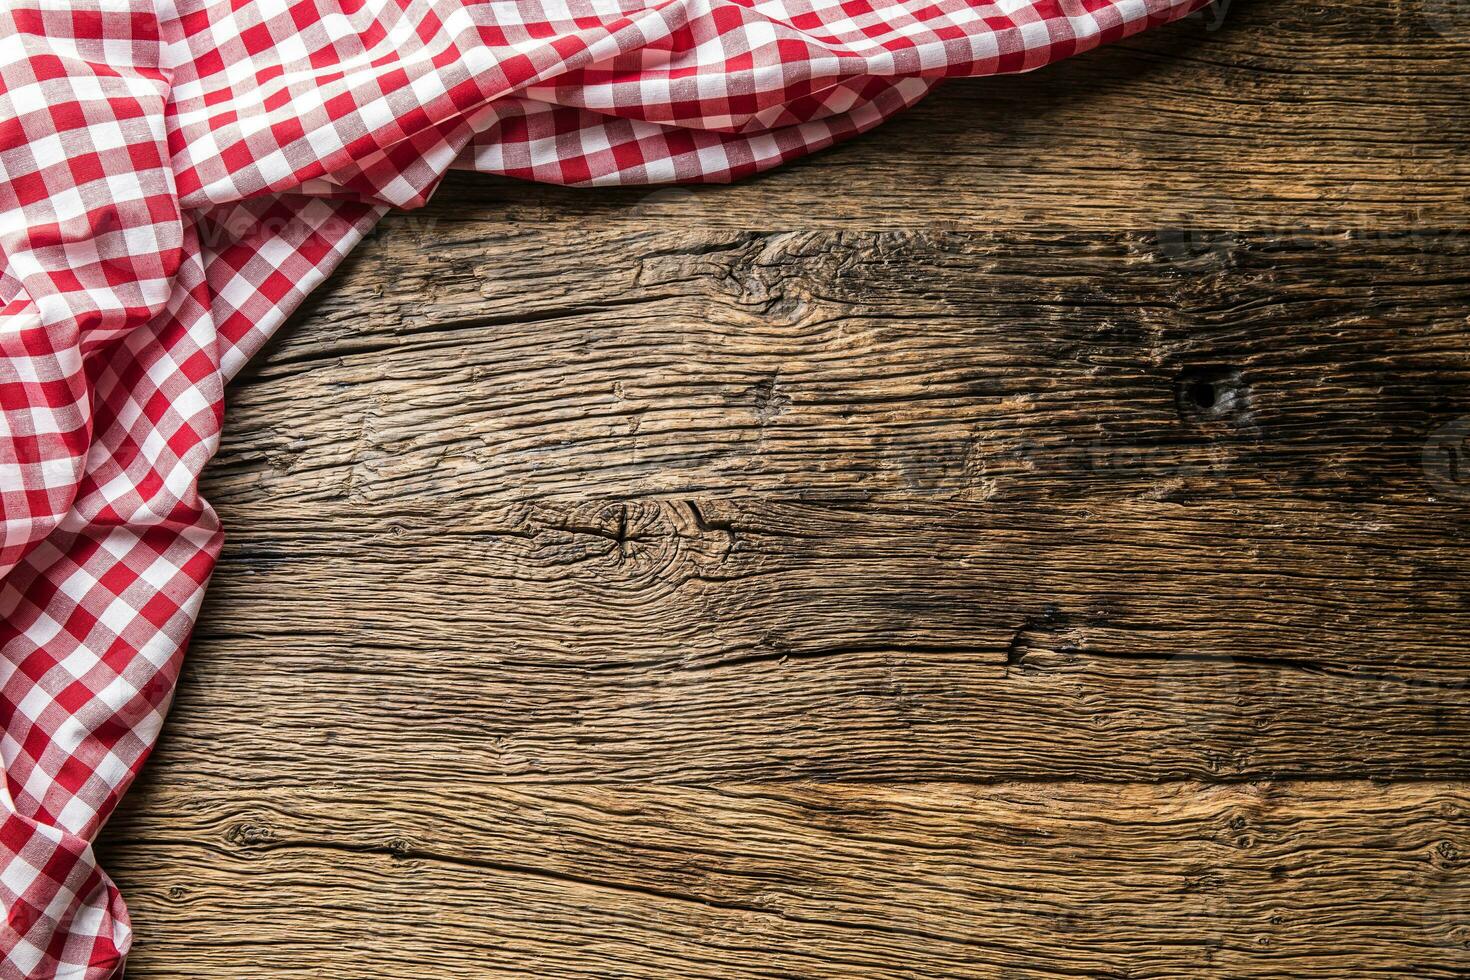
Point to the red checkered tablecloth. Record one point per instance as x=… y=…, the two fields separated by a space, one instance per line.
x=176 y=176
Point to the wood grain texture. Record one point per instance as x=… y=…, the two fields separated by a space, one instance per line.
x=452 y=877
x=522 y=364
x=1040 y=551
x=860 y=642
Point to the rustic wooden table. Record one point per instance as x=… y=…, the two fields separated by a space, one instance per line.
x=1030 y=540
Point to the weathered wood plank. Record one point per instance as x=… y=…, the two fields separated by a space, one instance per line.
x=530 y=364
x=714 y=639
x=453 y=877
x=1348 y=114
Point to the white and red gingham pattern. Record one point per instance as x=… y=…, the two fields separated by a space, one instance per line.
x=175 y=177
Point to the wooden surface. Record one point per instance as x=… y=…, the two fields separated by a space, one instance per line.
x=1030 y=540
